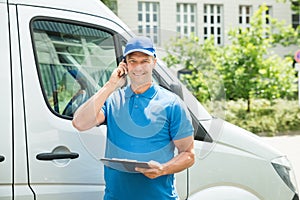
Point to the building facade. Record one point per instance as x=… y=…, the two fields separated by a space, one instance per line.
x=162 y=19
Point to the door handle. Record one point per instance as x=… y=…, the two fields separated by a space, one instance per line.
x=2 y=158
x=55 y=156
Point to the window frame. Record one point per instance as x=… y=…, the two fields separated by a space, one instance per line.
x=186 y=19
x=244 y=17
x=117 y=48
x=148 y=19
x=295 y=15
x=213 y=22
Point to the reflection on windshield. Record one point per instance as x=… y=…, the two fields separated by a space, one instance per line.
x=74 y=62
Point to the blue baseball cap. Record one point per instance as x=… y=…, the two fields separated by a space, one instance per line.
x=140 y=44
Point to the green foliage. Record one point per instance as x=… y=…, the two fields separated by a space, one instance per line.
x=199 y=60
x=111 y=4
x=295 y=5
x=247 y=67
x=246 y=70
x=280 y=117
x=256 y=72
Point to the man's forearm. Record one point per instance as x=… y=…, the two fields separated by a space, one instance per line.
x=180 y=162
x=185 y=157
x=88 y=115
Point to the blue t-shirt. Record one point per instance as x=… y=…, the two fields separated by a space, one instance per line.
x=142 y=127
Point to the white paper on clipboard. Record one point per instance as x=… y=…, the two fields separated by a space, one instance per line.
x=124 y=165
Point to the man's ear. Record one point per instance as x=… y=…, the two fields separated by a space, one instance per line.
x=154 y=61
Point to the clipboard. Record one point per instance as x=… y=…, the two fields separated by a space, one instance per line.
x=124 y=164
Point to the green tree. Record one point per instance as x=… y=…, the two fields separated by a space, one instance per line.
x=250 y=70
x=198 y=60
x=111 y=4
x=247 y=67
x=295 y=5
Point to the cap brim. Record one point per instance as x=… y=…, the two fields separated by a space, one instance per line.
x=140 y=50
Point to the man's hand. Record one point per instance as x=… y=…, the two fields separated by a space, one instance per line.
x=118 y=77
x=155 y=170
x=184 y=159
x=89 y=114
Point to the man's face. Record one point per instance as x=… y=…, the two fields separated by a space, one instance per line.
x=140 y=66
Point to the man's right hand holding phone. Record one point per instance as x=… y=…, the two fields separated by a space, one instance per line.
x=118 y=77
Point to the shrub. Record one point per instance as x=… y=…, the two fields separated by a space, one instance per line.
x=266 y=119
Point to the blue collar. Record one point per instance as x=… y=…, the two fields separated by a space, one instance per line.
x=149 y=93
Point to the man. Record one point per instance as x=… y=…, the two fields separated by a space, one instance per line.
x=144 y=122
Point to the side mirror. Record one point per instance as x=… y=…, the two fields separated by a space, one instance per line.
x=177 y=89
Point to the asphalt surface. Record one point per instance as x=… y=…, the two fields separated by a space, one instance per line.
x=289 y=145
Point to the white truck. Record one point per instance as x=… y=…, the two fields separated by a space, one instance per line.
x=55 y=55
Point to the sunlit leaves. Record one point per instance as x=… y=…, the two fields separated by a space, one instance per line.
x=246 y=67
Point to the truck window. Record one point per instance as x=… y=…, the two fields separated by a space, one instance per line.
x=73 y=62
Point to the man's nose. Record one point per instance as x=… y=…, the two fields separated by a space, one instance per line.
x=138 y=65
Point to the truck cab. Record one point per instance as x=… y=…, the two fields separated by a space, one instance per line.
x=57 y=54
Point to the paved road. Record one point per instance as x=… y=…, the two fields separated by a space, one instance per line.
x=289 y=145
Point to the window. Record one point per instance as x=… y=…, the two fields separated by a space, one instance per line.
x=268 y=14
x=245 y=13
x=295 y=20
x=186 y=19
x=73 y=62
x=296 y=14
x=148 y=20
x=213 y=24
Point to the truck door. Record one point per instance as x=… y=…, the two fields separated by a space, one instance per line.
x=6 y=179
x=64 y=62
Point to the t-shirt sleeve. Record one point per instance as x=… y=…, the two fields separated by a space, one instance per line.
x=104 y=108
x=180 y=121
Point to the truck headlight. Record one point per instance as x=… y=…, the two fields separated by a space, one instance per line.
x=285 y=171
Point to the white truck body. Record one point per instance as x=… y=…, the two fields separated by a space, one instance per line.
x=51 y=57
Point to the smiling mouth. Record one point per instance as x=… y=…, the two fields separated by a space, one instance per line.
x=138 y=74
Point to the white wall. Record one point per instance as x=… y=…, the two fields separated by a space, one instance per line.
x=127 y=11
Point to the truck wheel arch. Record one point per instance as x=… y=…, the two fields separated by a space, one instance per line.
x=224 y=193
